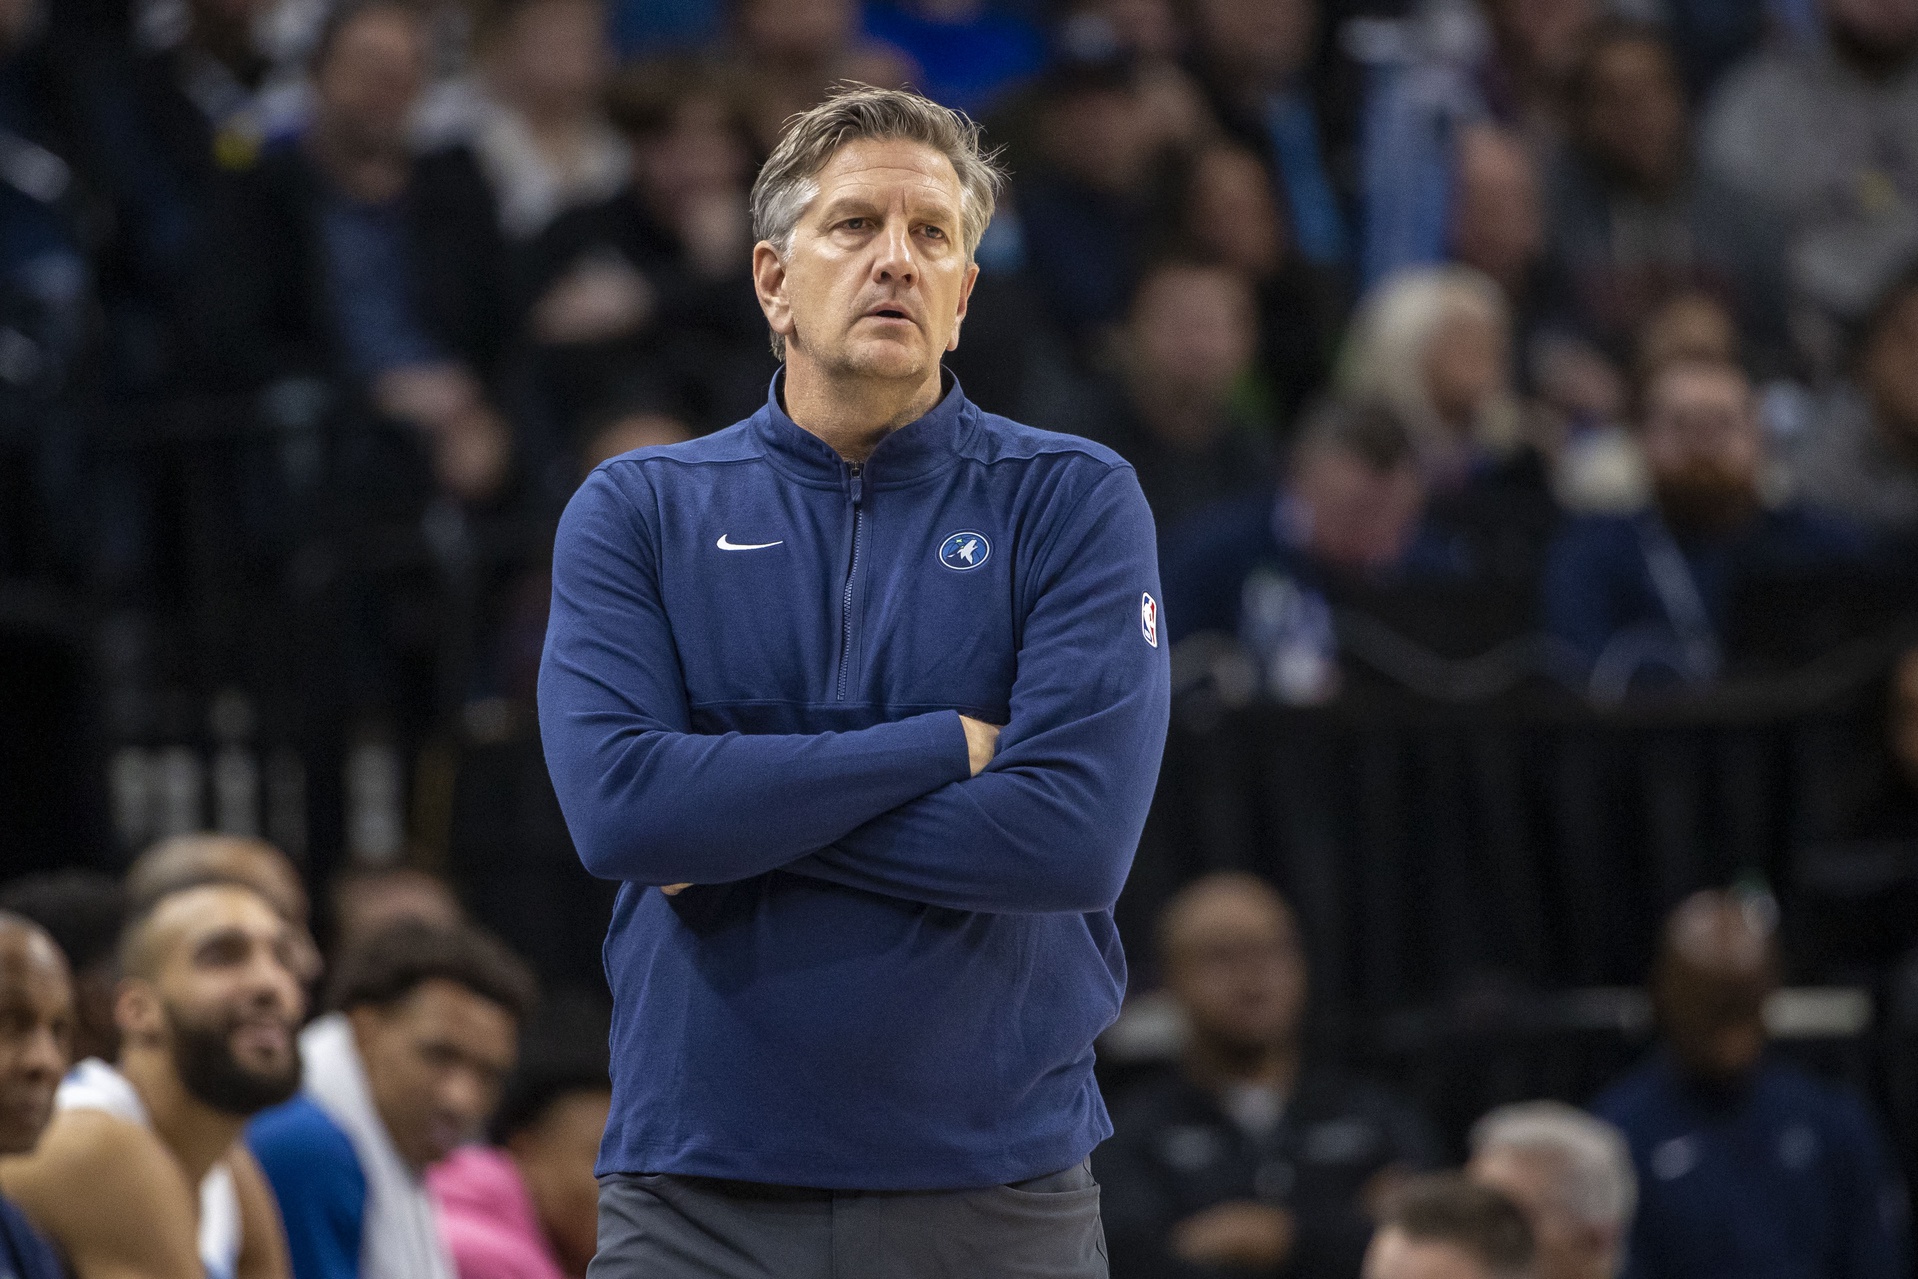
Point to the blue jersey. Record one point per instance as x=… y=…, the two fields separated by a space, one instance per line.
x=1782 y=1178
x=24 y=1254
x=320 y=1186
x=891 y=973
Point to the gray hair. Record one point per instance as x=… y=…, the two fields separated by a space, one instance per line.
x=1599 y=1187
x=789 y=180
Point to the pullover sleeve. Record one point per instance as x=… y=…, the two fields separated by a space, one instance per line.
x=1052 y=823
x=649 y=801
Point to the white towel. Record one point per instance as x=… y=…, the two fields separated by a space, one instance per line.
x=400 y=1238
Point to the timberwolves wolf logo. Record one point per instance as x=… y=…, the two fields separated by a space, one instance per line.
x=965 y=550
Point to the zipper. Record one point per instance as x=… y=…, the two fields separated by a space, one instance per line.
x=852 y=573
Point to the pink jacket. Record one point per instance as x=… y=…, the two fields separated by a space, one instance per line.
x=487 y=1218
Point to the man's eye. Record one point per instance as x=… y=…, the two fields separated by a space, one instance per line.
x=936 y=233
x=855 y=224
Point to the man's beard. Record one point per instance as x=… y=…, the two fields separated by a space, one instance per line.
x=211 y=1074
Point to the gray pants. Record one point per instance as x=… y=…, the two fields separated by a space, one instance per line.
x=668 y=1227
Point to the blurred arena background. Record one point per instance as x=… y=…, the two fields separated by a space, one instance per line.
x=1526 y=391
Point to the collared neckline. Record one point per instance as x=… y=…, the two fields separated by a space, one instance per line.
x=910 y=453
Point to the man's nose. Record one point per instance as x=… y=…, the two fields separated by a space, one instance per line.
x=895 y=260
x=46 y=1055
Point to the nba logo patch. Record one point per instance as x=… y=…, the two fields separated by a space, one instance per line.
x=1149 y=619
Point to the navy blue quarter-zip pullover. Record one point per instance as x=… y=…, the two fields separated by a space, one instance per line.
x=891 y=972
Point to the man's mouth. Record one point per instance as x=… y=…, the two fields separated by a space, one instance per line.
x=887 y=313
x=262 y=1036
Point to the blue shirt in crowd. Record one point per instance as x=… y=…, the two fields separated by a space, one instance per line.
x=316 y=1177
x=23 y=1253
x=891 y=973
x=369 y=271
x=1783 y=1177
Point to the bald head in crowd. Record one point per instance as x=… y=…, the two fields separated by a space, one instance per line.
x=36 y=1030
x=1571 y=1175
x=1717 y=965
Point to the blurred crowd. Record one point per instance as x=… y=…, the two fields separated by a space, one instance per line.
x=1597 y=318
x=201 y=1075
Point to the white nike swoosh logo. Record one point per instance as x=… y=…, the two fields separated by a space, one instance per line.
x=726 y=545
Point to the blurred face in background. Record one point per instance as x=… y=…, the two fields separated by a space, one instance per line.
x=1397 y=1255
x=1497 y=223
x=1543 y=37
x=1890 y=374
x=435 y=1061
x=796 y=31
x=555 y=1155
x=1262 y=42
x=1232 y=213
x=1703 y=445
x=366 y=85
x=1714 y=975
x=1360 y=518
x=1632 y=116
x=1468 y=362
x=1191 y=334
x=1100 y=135
x=1234 y=962
x=552 y=59
x=223 y=997
x=36 y=1033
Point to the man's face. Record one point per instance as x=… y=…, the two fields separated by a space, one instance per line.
x=876 y=281
x=1568 y=1248
x=1891 y=373
x=1236 y=966
x=1634 y=112
x=555 y=56
x=1497 y=224
x=1101 y=136
x=1193 y=328
x=435 y=1061
x=1396 y=1255
x=1702 y=444
x=226 y=999
x=1232 y=212
x=1361 y=518
x=796 y=30
x=36 y=1034
x=1545 y=36
x=371 y=77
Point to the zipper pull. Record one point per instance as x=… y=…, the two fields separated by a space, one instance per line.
x=858 y=481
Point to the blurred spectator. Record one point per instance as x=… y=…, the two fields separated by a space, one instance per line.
x=1151 y=34
x=406 y=1068
x=1746 y=1167
x=1349 y=515
x=1256 y=59
x=83 y=911
x=1445 y=1227
x=176 y=863
x=1250 y=1159
x=141 y=1172
x=644 y=303
x=1226 y=210
x=339 y=254
x=1828 y=134
x=36 y=1034
x=527 y=1206
x=1497 y=219
x=1434 y=344
x=1186 y=351
x=541 y=132
x=1633 y=220
x=1085 y=201
x=1572 y=1177
x=1862 y=457
x=1648 y=594
x=196 y=96
x=789 y=52
x=1450 y=83
x=968 y=51
x=367 y=902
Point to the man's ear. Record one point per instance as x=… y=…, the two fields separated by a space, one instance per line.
x=769 y=282
x=136 y=1009
x=965 y=299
